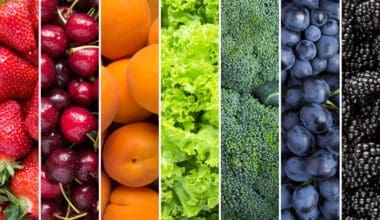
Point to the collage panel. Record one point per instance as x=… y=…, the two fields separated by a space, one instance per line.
x=249 y=109
x=129 y=109
x=69 y=109
x=310 y=98
x=19 y=92
x=360 y=114
x=189 y=110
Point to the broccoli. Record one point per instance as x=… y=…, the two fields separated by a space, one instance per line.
x=249 y=138
x=249 y=157
x=249 y=39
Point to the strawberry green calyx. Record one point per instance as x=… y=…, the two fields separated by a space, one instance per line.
x=18 y=209
x=7 y=170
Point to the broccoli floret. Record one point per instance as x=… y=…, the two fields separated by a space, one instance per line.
x=249 y=39
x=249 y=158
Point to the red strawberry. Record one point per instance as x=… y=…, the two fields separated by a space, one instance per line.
x=31 y=119
x=31 y=56
x=16 y=26
x=24 y=185
x=14 y=140
x=17 y=77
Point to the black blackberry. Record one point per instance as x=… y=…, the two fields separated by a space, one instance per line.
x=367 y=15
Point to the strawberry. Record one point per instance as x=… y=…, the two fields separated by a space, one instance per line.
x=17 y=77
x=24 y=189
x=31 y=119
x=16 y=26
x=14 y=140
x=31 y=56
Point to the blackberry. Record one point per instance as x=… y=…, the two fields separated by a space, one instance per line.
x=367 y=15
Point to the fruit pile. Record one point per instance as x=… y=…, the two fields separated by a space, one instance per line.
x=69 y=105
x=360 y=107
x=19 y=109
x=129 y=106
x=310 y=109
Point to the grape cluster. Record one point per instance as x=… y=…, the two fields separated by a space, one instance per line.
x=310 y=109
x=361 y=105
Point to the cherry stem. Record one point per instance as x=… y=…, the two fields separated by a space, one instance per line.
x=61 y=17
x=72 y=50
x=94 y=141
x=91 y=12
x=68 y=211
x=73 y=5
x=67 y=198
x=70 y=218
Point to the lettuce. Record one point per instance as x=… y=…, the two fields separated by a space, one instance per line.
x=189 y=110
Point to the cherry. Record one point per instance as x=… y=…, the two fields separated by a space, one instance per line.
x=49 y=115
x=53 y=40
x=81 y=92
x=49 y=188
x=84 y=60
x=49 y=209
x=82 y=28
x=47 y=71
x=61 y=165
x=95 y=89
x=84 y=197
x=52 y=141
x=87 y=169
x=76 y=123
x=59 y=97
x=63 y=74
x=48 y=10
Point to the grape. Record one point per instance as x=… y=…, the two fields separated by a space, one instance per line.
x=321 y=165
x=316 y=118
x=299 y=140
x=312 y=33
x=327 y=47
x=301 y=69
x=295 y=18
x=295 y=169
x=330 y=209
x=286 y=196
x=287 y=58
x=318 y=17
x=318 y=65
x=329 y=188
x=306 y=50
x=289 y=38
x=305 y=199
x=331 y=27
x=315 y=90
x=290 y=119
x=293 y=97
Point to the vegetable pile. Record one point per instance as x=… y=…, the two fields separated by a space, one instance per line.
x=19 y=91
x=361 y=109
x=189 y=110
x=69 y=105
x=310 y=109
x=129 y=119
x=249 y=109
